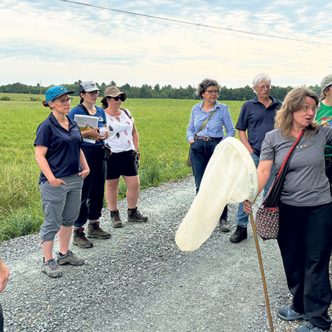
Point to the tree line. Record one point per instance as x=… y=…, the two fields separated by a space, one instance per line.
x=156 y=91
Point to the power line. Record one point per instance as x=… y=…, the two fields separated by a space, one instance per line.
x=187 y=22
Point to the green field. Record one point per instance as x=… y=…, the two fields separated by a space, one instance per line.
x=161 y=125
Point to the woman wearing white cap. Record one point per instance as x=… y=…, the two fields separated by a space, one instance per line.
x=324 y=117
x=123 y=142
x=93 y=187
x=63 y=167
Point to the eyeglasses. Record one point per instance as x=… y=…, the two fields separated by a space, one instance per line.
x=306 y=108
x=212 y=91
x=64 y=101
x=266 y=86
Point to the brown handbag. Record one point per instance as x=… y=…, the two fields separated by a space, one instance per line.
x=267 y=215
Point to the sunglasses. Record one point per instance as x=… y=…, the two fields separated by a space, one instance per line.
x=120 y=97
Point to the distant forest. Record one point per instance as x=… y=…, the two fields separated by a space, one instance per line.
x=157 y=91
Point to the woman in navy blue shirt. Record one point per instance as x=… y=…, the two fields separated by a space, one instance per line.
x=205 y=130
x=63 y=167
x=93 y=188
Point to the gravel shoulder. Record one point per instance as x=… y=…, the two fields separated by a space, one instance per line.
x=139 y=281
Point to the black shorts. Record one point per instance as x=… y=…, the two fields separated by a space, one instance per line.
x=122 y=163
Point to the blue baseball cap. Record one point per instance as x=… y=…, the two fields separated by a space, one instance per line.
x=55 y=92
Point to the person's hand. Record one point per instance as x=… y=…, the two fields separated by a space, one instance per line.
x=104 y=133
x=84 y=173
x=93 y=134
x=4 y=275
x=247 y=206
x=138 y=155
x=191 y=141
x=56 y=182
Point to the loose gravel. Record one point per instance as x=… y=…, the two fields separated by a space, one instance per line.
x=139 y=280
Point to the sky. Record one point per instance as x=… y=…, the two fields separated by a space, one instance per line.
x=54 y=42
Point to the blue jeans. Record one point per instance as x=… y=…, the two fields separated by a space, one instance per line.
x=242 y=217
x=200 y=154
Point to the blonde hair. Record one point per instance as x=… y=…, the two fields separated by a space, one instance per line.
x=293 y=102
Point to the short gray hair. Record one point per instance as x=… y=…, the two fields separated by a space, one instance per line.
x=204 y=85
x=260 y=78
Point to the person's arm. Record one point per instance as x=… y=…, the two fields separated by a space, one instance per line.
x=230 y=130
x=135 y=138
x=4 y=275
x=263 y=175
x=244 y=139
x=85 y=170
x=40 y=156
x=191 y=129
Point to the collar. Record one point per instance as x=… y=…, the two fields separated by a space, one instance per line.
x=55 y=122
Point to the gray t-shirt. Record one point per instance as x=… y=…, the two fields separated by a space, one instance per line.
x=305 y=183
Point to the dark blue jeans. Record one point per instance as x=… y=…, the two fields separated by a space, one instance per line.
x=93 y=187
x=305 y=242
x=200 y=154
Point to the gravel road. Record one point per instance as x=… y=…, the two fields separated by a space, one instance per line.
x=139 y=281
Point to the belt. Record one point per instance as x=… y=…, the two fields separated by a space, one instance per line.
x=208 y=138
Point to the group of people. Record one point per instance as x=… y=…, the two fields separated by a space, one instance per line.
x=268 y=129
x=75 y=164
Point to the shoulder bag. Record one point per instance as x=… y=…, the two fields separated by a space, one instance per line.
x=267 y=215
x=189 y=163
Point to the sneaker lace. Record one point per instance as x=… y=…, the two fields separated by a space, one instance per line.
x=52 y=264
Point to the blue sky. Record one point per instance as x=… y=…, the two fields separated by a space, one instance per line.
x=53 y=42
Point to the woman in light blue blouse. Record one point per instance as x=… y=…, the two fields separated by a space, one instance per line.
x=205 y=130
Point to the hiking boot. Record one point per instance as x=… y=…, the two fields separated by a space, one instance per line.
x=135 y=216
x=309 y=327
x=289 y=314
x=80 y=240
x=239 y=235
x=224 y=226
x=115 y=218
x=51 y=269
x=69 y=258
x=94 y=231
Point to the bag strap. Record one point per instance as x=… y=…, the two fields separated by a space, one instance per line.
x=87 y=112
x=127 y=112
x=205 y=122
x=287 y=158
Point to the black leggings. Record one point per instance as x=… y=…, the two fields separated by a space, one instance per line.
x=305 y=241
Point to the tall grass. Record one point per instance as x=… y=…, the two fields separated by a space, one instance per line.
x=161 y=125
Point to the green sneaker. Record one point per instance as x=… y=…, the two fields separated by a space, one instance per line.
x=135 y=216
x=69 y=258
x=51 y=269
x=94 y=231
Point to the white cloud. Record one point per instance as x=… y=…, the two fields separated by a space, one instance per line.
x=62 y=43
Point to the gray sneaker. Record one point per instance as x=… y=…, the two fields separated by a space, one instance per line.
x=80 y=240
x=69 y=258
x=94 y=231
x=115 y=218
x=135 y=216
x=51 y=269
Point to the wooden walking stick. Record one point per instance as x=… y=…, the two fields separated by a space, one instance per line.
x=261 y=267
